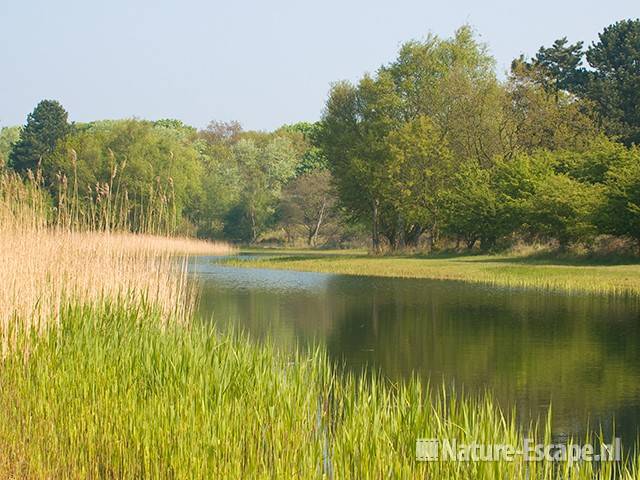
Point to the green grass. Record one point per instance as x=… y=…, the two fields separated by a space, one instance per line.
x=109 y=394
x=576 y=275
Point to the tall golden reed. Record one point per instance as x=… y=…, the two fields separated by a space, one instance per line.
x=45 y=266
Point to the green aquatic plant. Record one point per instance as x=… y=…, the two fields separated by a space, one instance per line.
x=115 y=392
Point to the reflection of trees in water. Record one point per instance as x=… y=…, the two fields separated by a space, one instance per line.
x=290 y=319
x=581 y=353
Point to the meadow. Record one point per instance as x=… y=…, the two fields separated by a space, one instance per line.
x=107 y=373
x=546 y=272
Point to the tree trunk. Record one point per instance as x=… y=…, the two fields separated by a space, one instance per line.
x=254 y=227
x=375 y=234
x=314 y=235
x=412 y=236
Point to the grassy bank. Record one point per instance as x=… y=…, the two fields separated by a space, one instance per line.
x=548 y=273
x=111 y=394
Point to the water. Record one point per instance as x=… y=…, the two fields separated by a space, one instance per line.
x=582 y=353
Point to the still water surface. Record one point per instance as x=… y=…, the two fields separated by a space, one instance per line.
x=581 y=353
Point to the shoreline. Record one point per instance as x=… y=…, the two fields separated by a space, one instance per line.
x=569 y=276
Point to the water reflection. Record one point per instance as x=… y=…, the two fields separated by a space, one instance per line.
x=528 y=348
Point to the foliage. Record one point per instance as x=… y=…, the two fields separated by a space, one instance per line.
x=308 y=202
x=419 y=172
x=611 y=82
x=449 y=83
x=263 y=169
x=620 y=214
x=8 y=137
x=45 y=127
x=542 y=117
x=563 y=209
x=615 y=83
x=430 y=148
x=147 y=166
x=305 y=136
x=472 y=209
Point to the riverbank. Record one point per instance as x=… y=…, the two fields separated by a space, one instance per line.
x=570 y=275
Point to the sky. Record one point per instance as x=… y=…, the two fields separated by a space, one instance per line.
x=262 y=63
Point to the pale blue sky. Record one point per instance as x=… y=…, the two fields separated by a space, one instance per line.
x=263 y=63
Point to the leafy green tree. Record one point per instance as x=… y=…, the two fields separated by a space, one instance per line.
x=419 y=171
x=45 y=127
x=305 y=137
x=611 y=83
x=514 y=181
x=541 y=118
x=452 y=83
x=620 y=214
x=220 y=180
x=352 y=138
x=472 y=211
x=592 y=164
x=563 y=209
x=147 y=166
x=263 y=170
x=8 y=137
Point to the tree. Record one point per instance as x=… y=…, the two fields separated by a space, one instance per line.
x=305 y=137
x=592 y=164
x=543 y=118
x=620 y=214
x=472 y=211
x=450 y=82
x=615 y=82
x=419 y=173
x=612 y=83
x=557 y=67
x=308 y=202
x=221 y=132
x=45 y=127
x=151 y=171
x=351 y=141
x=563 y=209
x=453 y=82
x=8 y=138
x=263 y=169
x=221 y=184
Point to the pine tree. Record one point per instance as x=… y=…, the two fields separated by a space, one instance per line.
x=45 y=126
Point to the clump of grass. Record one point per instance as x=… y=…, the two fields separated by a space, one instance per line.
x=110 y=394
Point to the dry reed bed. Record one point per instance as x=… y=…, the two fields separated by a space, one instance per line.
x=42 y=269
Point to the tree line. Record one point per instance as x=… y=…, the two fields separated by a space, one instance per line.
x=431 y=149
x=434 y=145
